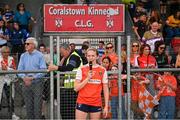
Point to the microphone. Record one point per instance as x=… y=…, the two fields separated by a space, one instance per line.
x=90 y=65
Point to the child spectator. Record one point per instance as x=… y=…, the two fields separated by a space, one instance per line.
x=114 y=94
x=106 y=62
x=167 y=101
x=136 y=82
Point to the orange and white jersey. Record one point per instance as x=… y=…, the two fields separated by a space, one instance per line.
x=90 y=94
x=168 y=90
x=147 y=61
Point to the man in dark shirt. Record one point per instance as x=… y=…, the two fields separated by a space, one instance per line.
x=70 y=60
x=140 y=27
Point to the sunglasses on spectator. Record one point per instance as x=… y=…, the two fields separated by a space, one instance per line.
x=135 y=45
x=162 y=48
x=28 y=43
x=109 y=47
x=146 y=49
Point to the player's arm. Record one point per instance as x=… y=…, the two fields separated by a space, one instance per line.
x=79 y=84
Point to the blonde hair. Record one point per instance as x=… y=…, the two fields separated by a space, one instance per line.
x=93 y=49
x=4 y=48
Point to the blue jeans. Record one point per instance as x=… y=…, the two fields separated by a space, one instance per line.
x=115 y=106
x=167 y=107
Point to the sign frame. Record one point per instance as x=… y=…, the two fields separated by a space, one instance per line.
x=85 y=32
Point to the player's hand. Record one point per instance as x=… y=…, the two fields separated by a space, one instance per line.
x=105 y=112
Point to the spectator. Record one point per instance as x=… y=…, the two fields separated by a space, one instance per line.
x=72 y=60
x=85 y=43
x=147 y=4
x=89 y=84
x=4 y=32
x=135 y=46
x=138 y=12
x=101 y=49
x=82 y=53
x=173 y=27
x=146 y=60
x=8 y=16
x=23 y=16
x=167 y=106
x=32 y=82
x=176 y=46
x=138 y=80
x=17 y=39
x=154 y=16
x=110 y=52
x=114 y=94
x=124 y=58
x=42 y=49
x=140 y=27
x=72 y=47
x=160 y=55
x=152 y=36
x=106 y=62
x=7 y=63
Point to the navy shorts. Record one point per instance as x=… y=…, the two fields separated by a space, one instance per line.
x=88 y=108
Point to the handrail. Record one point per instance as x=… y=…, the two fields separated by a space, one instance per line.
x=109 y=72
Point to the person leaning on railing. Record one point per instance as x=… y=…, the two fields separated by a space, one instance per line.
x=71 y=61
x=7 y=63
x=32 y=87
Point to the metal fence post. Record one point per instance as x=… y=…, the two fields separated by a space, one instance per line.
x=51 y=82
x=128 y=76
x=58 y=79
x=119 y=77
